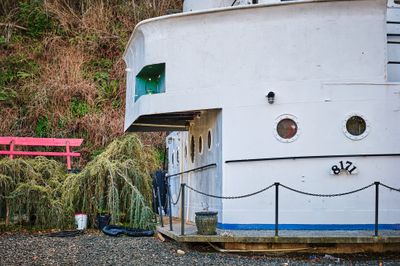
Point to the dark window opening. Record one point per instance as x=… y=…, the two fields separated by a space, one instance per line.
x=192 y=147
x=209 y=139
x=286 y=128
x=200 y=144
x=356 y=125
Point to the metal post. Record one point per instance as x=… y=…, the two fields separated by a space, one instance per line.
x=376 y=207
x=160 y=207
x=170 y=206
x=183 y=209
x=276 y=207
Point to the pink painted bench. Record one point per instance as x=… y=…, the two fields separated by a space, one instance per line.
x=47 y=142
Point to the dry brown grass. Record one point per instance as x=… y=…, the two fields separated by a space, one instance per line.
x=86 y=31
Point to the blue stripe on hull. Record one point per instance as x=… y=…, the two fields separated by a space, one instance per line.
x=308 y=226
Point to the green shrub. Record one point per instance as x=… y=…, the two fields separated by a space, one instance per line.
x=14 y=70
x=15 y=67
x=79 y=108
x=32 y=15
x=107 y=88
x=42 y=127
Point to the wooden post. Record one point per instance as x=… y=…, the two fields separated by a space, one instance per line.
x=11 y=150
x=68 y=157
x=7 y=212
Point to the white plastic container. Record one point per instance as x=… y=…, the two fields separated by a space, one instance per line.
x=81 y=221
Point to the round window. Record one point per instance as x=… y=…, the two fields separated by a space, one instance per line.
x=200 y=144
x=192 y=147
x=286 y=128
x=355 y=127
x=209 y=140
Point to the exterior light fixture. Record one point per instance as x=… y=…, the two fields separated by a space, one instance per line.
x=271 y=97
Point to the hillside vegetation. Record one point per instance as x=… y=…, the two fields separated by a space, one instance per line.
x=61 y=71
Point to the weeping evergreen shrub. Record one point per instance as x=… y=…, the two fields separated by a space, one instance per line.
x=30 y=192
x=39 y=192
x=117 y=182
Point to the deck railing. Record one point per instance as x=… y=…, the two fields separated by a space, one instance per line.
x=184 y=187
x=12 y=142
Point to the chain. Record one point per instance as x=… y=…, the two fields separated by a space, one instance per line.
x=179 y=195
x=232 y=197
x=289 y=188
x=389 y=187
x=327 y=195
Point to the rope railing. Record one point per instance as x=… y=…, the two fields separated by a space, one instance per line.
x=181 y=196
x=389 y=187
x=177 y=199
x=230 y=197
x=327 y=195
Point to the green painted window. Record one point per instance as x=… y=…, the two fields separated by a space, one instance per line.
x=150 y=80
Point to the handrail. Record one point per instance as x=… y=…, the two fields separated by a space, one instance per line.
x=12 y=142
x=193 y=170
x=313 y=157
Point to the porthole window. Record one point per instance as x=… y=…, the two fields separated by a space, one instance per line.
x=355 y=127
x=286 y=128
x=192 y=147
x=209 y=139
x=200 y=145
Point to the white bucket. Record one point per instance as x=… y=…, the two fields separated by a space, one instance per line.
x=81 y=221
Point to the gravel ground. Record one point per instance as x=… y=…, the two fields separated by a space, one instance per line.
x=96 y=249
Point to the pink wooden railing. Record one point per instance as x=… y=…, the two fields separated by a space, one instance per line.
x=48 y=142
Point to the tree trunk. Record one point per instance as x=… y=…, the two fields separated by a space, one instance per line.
x=7 y=213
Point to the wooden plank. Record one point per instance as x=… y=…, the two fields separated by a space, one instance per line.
x=393 y=72
x=393 y=28
x=40 y=141
x=40 y=153
x=393 y=39
x=393 y=14
x=393 y=52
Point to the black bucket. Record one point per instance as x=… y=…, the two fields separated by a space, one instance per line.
x=102 y=221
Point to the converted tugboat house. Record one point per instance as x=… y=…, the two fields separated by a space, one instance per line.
x=304 y=93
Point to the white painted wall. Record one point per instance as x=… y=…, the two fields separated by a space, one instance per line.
x=194 y=5
x=239 y=50
x=320 y=118
x=210 y=179
x=324 y=60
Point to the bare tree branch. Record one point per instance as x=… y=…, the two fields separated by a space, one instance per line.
x=13 y=26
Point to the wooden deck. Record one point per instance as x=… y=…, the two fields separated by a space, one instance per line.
x=288 y=240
